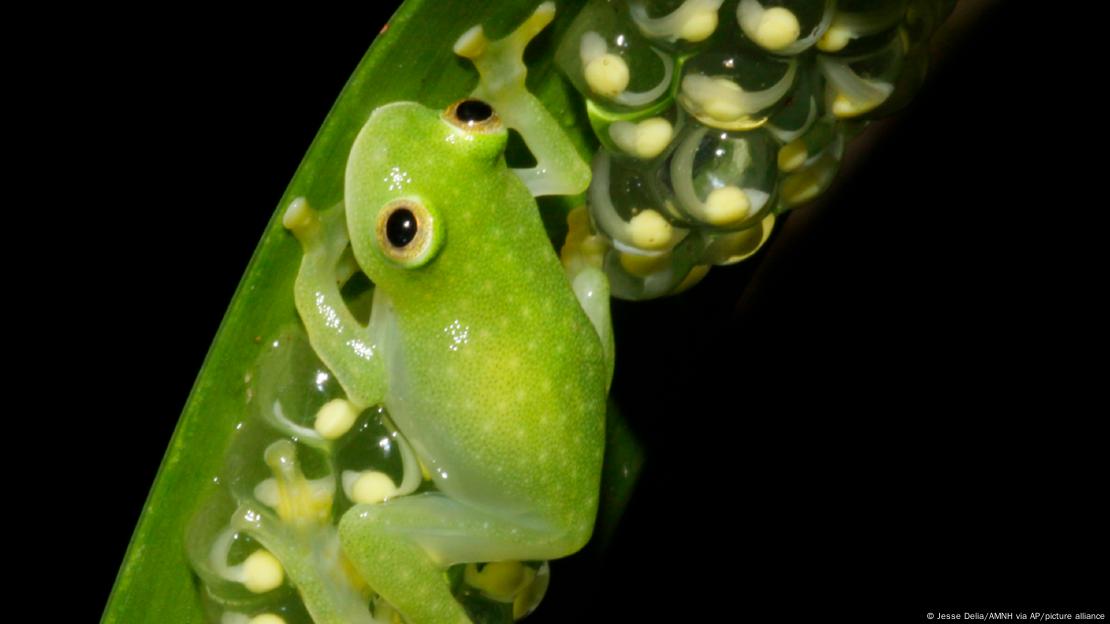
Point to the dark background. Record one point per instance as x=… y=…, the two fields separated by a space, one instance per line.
x=890 y=411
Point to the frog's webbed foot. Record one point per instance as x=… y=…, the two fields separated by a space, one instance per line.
x=300 y=542
x=559 y=169
x=337 y=337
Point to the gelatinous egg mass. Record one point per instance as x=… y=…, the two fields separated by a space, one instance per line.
x=716 y=115
x=265 y=545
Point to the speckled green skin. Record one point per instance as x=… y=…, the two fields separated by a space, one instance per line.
x=492 y=369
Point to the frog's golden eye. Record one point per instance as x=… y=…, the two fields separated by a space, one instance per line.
x=473 y=115
x=407 y=232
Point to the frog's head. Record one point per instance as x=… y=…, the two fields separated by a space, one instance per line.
x=412 y=172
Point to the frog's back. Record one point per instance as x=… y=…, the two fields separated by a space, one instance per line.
x=504 y=357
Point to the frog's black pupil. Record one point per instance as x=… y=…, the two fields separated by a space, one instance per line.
x=400 y=229
x=472 y=111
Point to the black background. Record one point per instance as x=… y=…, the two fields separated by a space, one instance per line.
x=895 y=413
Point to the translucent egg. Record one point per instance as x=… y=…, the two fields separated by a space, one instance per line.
x=733 y=247
x=737 y=90
x=371 y=449
x=288 y=386
x=635 y=276
x=723 y=180
x=785 y=27
x=859 y=26
x=858 y=85
x=625 y=209
x=809 y=164
x=679 y=26
x=803 y=107
x=643 y=138
x=214 y=547
x=612 y=65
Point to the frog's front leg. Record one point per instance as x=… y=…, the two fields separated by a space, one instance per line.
x=402 y=547
x=559 y=169
x=340 y=341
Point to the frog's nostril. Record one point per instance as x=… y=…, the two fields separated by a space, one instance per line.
x=473 y=111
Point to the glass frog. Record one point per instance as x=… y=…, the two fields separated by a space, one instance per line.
x=491 y=360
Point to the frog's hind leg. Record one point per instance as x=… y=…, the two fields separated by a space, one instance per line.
x=402 y=548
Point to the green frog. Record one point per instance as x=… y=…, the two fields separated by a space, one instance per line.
x=492 y=361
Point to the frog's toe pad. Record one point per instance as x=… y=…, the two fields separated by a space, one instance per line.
x=472 y=44
x=494 y=57
x=298 y=215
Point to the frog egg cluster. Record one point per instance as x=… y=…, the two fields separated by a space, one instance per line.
x=296 y=463
x=265 y=544
x=715 y=116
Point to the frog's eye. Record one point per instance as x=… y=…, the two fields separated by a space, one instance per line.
x=473 y=115
x=407 y=232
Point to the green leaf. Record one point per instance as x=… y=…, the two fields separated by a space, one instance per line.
x=155 y=582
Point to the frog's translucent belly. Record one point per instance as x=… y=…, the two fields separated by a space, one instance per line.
x=507 y=414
